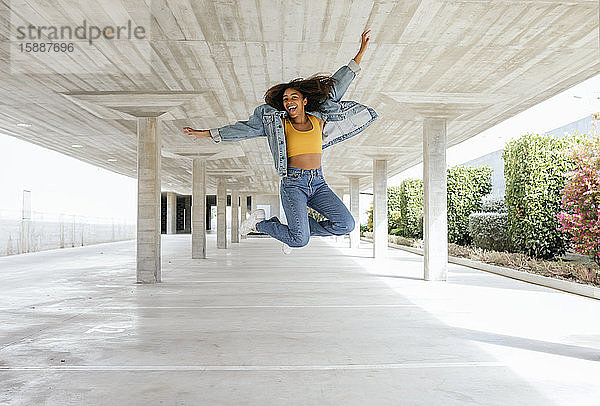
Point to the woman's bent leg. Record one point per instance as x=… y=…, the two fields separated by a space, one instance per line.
x=296 y=233
x=328 y=204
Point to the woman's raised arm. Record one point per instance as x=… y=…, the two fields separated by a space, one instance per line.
x=363 y=46
x=347 y=73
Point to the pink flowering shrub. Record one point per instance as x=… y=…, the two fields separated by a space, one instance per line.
x=581 y=198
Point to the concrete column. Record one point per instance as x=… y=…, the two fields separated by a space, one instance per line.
x=62 y=231
x=148 y=213
x=25 y=236
x=355 y=210
x=199 y=208
x=171 y=213
x=235 y=219
x=25 y=221
x=380 y=226
x=274 y=202
x=221 y=212
x=339 y=193
x=435 y=205
x=252 y=203
x=244 y=210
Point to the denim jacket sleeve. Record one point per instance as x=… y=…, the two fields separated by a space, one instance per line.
x=241 y=130
x=343 y=77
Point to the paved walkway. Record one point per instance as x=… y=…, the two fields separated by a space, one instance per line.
x=251 y=326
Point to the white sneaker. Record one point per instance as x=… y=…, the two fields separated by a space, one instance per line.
x=249 y=224
x=287 y=250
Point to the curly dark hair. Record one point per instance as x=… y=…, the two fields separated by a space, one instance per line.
x=316 y=89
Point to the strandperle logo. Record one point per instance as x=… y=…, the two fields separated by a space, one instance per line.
x=82 y=32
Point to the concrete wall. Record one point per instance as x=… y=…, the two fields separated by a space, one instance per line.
x=21 y=236
x=583 y=126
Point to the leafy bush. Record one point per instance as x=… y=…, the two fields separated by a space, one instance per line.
x=394 y=219
x=315 y=214
x=466 y=187
x=491 y=204
x=411 y=208
x=490 y=231
x=581 y=199
x=396 y=231
x=535 y=169
x=393 y=206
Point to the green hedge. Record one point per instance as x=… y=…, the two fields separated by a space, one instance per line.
x=394 y=220
x=466 y=187
x=396 y=231
x=490 y=231
x=393 y=207
x=405 y=209
x=314 y=214
x=535 y=169
x=411 y=208
x=491 y=204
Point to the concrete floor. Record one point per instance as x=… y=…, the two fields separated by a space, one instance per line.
x=250 y=326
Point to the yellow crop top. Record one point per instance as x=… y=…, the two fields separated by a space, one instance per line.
x=303 y=142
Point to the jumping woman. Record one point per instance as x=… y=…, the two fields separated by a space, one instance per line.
x=300 y=119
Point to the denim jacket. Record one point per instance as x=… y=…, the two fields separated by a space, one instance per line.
x=343 y=119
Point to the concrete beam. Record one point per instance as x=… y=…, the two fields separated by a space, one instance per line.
x=377 y=153
x=451 y=106
x=435 y=205
x=148 y=269
x=199 y=208
x=359 y=174
x=136 y=104
x=380 y=226
x=340 y=191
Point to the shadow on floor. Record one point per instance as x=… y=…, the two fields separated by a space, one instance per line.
x=414 y=278
x=565 y=350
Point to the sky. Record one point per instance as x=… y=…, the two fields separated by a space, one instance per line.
x=61 y=184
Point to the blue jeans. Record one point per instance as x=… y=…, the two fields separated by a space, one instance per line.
x=299 y=189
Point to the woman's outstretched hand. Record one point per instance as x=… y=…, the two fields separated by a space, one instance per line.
x=364 y=40
x=196 y=133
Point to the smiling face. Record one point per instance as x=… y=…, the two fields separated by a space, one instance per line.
x=294 y=102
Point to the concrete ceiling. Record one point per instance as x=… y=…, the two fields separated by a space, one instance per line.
x=208 y=63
